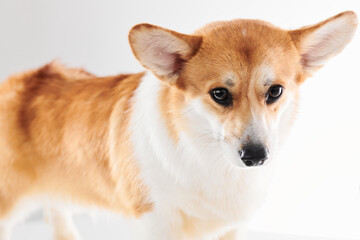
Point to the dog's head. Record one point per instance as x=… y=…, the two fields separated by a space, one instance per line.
x=240 y=78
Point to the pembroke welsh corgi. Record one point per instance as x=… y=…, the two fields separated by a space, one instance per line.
x=187 y=149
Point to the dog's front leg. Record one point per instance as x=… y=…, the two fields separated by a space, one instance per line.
x=158 y=226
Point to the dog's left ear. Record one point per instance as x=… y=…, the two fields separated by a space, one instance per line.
x=319 y=42
x=161 y=50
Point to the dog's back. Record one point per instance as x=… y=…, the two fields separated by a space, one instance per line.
x=55 y=129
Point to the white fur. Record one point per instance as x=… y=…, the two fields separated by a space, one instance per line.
x=199 y=177
x=196 y=177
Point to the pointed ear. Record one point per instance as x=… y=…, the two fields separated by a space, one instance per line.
x=320 y=42
x=161 y=50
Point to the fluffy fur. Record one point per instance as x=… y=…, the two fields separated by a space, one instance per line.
x=155 y=145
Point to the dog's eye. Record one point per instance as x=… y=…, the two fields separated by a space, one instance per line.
x=274 y=93
x=221 y=96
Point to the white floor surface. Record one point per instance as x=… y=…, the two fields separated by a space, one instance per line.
x=111 y=230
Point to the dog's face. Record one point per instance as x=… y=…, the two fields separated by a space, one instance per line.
x=240 y=78
x=245 y=77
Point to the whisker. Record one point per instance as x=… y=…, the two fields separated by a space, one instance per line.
x=181 y=115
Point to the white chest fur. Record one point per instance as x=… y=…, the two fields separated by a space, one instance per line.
x=196 y=191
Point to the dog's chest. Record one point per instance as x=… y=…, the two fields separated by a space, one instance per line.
x=220 y=208
x=191 y=180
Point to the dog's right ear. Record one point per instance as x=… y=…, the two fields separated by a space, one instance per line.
x=161 y=50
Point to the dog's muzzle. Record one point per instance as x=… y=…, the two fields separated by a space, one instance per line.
x=254 y=154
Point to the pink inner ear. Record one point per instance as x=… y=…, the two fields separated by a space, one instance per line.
x=318 y=52
x=165 y=60
x=327 y=40
x=160 y=51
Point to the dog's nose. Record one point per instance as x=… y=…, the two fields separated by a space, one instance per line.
x=254 y=154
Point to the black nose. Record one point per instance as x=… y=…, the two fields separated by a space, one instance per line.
x=254 y=154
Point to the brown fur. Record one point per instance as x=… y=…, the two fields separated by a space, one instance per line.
x=66 y=132
x=225 y=49
x=56 y=126
x=239 y=47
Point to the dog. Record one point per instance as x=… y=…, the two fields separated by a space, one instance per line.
x=186 y=150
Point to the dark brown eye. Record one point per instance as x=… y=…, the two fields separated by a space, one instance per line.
x=274 y=93
x=221 y=96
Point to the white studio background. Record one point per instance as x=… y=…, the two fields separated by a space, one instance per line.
x=317 y=189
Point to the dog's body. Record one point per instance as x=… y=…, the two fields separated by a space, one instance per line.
x=171 y=152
